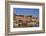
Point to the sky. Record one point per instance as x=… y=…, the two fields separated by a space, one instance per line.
x=26 y=11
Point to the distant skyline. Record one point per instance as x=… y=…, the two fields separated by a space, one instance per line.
x=26 y=11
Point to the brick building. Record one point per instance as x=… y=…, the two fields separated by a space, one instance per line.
x=23 y=21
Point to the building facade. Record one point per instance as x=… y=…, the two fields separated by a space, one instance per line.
x=24 y=20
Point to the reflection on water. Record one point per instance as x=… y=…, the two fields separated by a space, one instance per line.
x=25 y=25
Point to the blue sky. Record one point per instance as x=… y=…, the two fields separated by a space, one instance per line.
x=26 y=11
